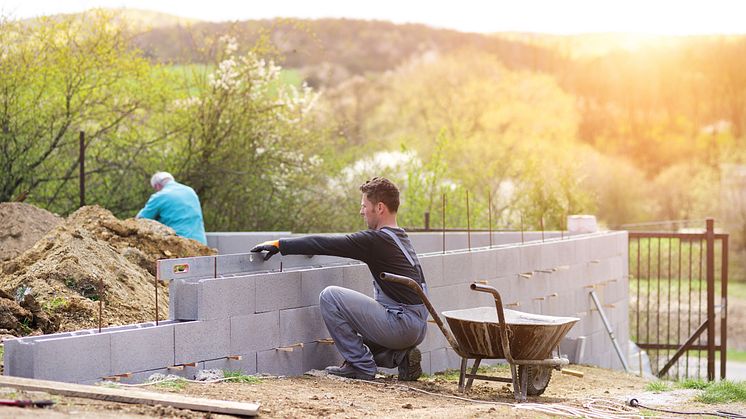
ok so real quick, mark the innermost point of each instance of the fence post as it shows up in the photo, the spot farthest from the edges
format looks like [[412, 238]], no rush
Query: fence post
[[710, 237], [81, 162]]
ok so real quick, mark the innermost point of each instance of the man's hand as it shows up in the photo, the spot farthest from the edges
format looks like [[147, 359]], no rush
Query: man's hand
[[272, 247]]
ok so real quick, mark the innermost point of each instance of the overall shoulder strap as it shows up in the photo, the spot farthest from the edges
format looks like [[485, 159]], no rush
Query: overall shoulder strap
[[399, 243]]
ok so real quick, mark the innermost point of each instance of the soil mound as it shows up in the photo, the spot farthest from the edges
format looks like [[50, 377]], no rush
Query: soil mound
[[22, 225], [95, 256]]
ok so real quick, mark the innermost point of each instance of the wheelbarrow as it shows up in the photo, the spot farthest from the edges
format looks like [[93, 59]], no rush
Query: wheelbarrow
[[524, 340]]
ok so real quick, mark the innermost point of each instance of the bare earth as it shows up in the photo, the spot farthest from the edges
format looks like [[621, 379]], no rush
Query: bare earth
[[330, 397]]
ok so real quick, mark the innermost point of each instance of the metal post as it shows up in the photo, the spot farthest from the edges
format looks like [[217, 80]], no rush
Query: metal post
[[710, 236], [81, 162], [610, 331], [157, 277], [468, 222], [724, 307], [427, 220]]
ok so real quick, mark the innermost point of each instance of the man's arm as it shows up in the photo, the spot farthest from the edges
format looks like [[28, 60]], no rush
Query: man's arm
[[151, 208], [354, 246]]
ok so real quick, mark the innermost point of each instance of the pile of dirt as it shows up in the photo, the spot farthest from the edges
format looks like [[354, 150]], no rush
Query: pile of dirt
[[22, 226], [90, 257]]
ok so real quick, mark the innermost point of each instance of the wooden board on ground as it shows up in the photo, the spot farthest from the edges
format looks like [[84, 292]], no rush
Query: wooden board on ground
[[126, 395]]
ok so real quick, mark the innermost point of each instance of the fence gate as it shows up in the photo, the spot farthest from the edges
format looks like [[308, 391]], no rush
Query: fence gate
[[675, 281]]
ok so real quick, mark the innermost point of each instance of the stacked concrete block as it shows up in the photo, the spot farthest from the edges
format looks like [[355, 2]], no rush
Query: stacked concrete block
[[142, 349], [238, 312], [200, 340], [313, 281], [280, 362], [226, 297], [278, 291]]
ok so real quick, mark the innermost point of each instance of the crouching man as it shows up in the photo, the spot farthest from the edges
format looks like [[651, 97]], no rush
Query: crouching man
[[368, 332]]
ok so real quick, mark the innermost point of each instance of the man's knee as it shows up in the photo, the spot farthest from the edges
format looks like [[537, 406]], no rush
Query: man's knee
[[329, 295]]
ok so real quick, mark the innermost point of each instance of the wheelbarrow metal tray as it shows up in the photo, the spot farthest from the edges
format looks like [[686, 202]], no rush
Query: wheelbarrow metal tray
[[531, 336]]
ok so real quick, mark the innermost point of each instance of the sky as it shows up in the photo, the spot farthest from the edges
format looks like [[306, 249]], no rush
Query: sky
[[667, 17]]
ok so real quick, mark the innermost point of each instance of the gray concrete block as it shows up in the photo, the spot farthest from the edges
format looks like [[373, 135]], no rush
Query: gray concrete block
[[319, 356], [508, 261], [73, 359], [432, 267], [199, 267], [142, 349], [183, 297], [255, 332], [278, 291], [245, 365], [458, 268], [531, 257], [358, 277], [313, 281], [484, 264], [280, 362], [18, 358], [301, 325], [450, 297], [201, 340], [226, 297]]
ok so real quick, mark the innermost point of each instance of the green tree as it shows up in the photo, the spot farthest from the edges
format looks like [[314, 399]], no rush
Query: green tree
[[61, 76]]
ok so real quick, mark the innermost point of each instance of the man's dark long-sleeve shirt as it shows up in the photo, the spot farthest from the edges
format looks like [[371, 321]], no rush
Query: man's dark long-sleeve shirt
[[373, 247]]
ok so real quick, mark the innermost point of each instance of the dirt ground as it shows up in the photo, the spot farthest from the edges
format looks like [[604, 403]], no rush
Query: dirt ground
[[309, 396], [91, 256]]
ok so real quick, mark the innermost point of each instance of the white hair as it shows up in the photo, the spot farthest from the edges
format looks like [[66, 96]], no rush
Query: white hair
[[161, 178]]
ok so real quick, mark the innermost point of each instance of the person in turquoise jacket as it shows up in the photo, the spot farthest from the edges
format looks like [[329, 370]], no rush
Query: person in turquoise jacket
[[176, 206]]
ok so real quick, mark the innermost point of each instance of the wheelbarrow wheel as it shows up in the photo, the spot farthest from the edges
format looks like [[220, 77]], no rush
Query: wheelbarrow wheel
[[538, 379]]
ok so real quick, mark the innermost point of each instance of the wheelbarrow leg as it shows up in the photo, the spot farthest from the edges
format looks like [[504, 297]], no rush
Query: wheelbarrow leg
[[462, 376], [523, 378], [474, 369]]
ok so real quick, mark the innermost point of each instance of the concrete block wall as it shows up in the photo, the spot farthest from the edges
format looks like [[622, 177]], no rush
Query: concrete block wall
[[270, 319]]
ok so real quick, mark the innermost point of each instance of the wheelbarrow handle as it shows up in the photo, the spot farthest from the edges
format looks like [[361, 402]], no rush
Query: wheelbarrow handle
[[414, 286], [500, 317]]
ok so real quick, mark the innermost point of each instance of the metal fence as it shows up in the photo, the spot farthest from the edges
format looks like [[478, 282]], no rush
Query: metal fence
[[676, 279]]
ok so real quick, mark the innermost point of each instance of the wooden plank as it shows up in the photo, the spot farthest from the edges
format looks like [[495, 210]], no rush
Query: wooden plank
[[128, 395]]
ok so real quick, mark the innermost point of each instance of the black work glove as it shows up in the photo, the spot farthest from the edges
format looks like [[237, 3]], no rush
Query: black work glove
[[272, 247]]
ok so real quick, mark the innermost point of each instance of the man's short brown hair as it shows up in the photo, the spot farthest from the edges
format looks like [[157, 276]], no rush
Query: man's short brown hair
[[380, 189]]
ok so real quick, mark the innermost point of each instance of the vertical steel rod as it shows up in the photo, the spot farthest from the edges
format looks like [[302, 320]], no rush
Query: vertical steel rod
[[710, 299], [541, 223], [157, 277], [468, 222], [521, 228], [100, 302], [443, 209], [489, 211]]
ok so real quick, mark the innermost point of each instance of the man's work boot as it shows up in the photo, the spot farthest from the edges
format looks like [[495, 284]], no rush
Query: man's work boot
[[410, 368], [348, 371]]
